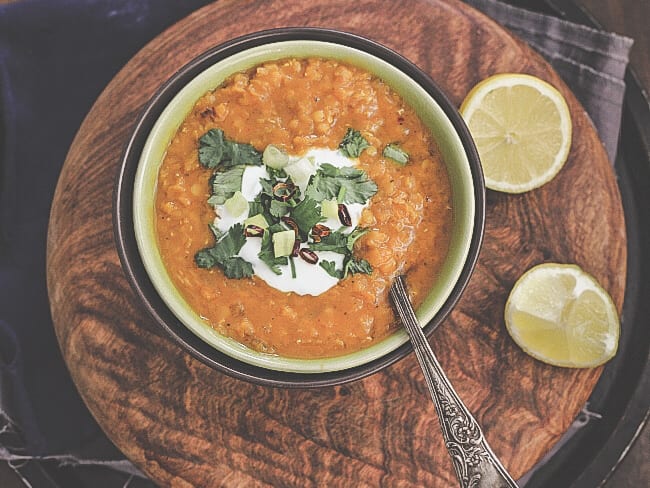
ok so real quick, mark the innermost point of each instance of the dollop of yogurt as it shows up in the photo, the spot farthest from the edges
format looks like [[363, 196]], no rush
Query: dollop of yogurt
[[310, 279]]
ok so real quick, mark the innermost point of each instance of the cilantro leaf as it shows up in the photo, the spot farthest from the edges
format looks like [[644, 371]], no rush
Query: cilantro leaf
[[267, 186], [336, 241], [330, 267], [356, 265], [244, 154], [343, 243], [237, 268], [224, 254], [349, 185], [278, 208], [306, 214], [224, 184], [211, 148], [231, 242], [256, 207], [353, 143], [215, 231], [396, 153], [276, 173], [215, 150], [205, 259], [353, 236]]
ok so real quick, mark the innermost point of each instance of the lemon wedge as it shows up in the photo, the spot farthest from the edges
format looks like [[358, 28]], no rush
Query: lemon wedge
[[521, 126], [559, 314]]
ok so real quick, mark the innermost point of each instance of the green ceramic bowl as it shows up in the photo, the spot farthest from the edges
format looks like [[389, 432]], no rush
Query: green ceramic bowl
[[136, 187]]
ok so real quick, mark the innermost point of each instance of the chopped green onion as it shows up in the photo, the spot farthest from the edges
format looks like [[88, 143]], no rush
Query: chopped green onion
[[396, 153], [274, 157]]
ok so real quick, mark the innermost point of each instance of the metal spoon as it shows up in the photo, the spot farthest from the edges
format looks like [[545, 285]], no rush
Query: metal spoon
[[475, 464]]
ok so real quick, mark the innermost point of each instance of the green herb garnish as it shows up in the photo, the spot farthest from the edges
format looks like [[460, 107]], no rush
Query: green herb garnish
[[355, 265], [353, 143], [225, 184], [237, 268], [330, 267], [396, 153], [355, 235], [338, 241], [281, 213], [346, 184], [351, 265], [224, 254], [306, 215], [267, 254], [343, 243], [292, 265], [217, 151]]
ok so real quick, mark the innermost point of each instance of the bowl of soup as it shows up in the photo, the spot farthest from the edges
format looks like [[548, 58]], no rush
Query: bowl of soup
[[273, 189]]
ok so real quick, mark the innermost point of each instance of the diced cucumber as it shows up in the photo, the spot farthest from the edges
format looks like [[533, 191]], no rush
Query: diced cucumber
[[283, 242], [274, 157], [300, 171], [257, 220], [329, 209], [236, 205]]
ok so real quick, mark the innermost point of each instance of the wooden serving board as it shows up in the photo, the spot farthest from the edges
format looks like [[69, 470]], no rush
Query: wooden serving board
[[187, 425]]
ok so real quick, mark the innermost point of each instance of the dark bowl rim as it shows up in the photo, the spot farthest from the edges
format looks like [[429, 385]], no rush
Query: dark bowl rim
[[124, 234]]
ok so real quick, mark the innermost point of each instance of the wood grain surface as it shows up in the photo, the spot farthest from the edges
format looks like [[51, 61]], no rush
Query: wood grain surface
[[187, 425]]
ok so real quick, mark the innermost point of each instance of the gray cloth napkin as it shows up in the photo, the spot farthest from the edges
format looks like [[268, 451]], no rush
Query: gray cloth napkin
[[591, 62]]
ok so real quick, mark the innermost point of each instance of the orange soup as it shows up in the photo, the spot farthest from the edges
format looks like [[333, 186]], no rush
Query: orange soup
[[296, 106]]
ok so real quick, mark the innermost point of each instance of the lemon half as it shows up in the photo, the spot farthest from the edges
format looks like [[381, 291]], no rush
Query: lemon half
[[559, 314], [521, 126]]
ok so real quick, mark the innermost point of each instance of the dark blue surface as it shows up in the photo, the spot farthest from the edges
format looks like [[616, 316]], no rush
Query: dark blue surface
[[55, 58]]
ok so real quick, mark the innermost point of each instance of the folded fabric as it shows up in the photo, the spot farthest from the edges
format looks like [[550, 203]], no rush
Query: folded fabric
[[55, 58]]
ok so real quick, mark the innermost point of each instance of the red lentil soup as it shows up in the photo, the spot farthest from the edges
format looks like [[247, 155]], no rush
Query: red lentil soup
[[297, 105]]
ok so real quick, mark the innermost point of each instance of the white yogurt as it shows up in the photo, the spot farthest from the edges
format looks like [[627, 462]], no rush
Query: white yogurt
[[311, 279]]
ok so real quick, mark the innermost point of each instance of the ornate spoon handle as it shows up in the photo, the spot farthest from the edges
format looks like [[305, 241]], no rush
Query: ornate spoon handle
[[475, 464]]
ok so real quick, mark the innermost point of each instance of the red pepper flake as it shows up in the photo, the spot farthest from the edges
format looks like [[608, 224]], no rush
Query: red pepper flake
[[295, 252], [308, 255], [291, 223], [284, 191], [319, 231], [344, 215]]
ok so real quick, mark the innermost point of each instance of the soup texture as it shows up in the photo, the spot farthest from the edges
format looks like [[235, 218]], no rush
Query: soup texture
[[301, 105]]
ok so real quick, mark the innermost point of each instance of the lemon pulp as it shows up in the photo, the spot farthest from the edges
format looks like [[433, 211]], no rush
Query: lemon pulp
[[521, 126], [559, 314]]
